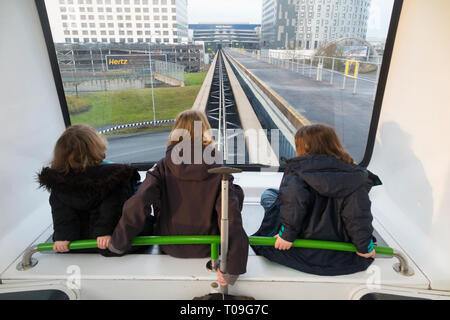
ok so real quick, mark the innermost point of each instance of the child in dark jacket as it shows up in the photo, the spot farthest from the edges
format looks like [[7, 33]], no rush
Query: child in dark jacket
[[188, 199], [323, 196], [86, 195]]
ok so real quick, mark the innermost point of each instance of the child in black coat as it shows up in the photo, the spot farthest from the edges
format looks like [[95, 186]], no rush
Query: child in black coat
[[323, 196], [86, 195]]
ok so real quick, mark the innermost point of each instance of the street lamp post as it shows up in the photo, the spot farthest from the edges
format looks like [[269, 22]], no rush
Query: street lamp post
[[151, 81]]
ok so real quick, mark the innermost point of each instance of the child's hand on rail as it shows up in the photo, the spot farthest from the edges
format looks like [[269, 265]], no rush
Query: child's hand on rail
[[371, 254], [61, 246], [282, 244], [103, 242]]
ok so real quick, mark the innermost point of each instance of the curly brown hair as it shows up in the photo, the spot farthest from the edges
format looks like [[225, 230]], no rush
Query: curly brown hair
[[321, 139], [78, 148]]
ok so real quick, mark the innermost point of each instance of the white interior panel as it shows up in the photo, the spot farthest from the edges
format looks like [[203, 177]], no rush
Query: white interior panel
[[412, 154], [30, 120]]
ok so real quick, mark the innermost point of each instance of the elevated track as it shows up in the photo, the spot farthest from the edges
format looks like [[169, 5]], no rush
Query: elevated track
[[239, 123]]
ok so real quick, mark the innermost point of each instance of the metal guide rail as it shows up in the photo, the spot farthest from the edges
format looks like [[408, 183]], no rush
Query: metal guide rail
[[214, 241], [223, 115]]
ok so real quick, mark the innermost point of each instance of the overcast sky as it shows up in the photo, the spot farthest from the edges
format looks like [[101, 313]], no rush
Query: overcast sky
[[250, 11]]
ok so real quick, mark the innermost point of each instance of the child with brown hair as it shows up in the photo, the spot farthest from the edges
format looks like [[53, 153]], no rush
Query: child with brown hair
[[86, 195], [323, 196]]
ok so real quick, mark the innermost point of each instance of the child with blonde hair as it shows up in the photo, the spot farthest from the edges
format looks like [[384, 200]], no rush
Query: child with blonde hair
[[187, 199]]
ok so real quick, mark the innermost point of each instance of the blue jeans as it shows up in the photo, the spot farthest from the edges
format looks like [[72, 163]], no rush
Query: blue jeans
[[268, 198], [271, 221]]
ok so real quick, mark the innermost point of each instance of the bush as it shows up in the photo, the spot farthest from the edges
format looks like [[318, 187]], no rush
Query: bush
[[77, 105]]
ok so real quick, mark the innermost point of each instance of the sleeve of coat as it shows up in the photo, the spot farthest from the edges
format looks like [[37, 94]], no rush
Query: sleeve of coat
[[294, 202], [66, 222], [238, 239], [357, 218], [135, 212], [110, 212]]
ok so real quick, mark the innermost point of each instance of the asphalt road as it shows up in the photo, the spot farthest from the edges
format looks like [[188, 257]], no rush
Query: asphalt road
[[321, 102], [146, 147]]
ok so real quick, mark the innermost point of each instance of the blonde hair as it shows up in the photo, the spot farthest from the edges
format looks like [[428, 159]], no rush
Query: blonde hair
[[78, 148], [321, 139], [186, 121]]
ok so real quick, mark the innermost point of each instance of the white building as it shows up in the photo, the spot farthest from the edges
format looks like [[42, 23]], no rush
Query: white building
[[321, 21], [118, 21]]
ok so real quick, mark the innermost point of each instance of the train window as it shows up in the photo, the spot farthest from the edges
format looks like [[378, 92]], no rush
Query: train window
[[131, 89]]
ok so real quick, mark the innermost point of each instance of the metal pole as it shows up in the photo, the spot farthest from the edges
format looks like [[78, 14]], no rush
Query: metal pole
[[101, 58], [92, 61], [225, 172], [304, 65], [345, 77], [356, 79], [224, 230], [332, 72], [151, 81]]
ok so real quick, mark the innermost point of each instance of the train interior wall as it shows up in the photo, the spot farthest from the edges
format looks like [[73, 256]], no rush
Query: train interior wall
[[412, 154], [30, 121]]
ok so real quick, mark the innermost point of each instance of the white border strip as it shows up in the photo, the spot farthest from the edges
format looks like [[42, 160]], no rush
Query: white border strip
[[135, 125]]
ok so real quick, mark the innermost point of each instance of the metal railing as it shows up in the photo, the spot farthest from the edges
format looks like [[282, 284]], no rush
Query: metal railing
[[402, 267], [315, 66], [169, 69]]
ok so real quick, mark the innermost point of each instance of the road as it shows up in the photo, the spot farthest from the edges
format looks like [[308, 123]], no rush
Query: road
[[146, 147], [321, 102]]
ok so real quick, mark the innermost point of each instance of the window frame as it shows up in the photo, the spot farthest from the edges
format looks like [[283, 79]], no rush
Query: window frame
[[376, 113]]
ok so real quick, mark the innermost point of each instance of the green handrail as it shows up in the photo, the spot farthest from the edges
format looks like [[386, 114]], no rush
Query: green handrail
[[214, 241]]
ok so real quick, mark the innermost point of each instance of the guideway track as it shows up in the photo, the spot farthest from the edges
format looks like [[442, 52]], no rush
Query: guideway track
[[237, 130]]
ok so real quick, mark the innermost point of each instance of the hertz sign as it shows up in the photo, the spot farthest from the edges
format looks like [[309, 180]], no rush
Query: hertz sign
[[118, 62], [114, 61]]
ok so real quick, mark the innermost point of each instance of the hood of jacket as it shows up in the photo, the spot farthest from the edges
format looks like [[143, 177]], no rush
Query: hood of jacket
[[189, 170], [85, 188], [331, 177]]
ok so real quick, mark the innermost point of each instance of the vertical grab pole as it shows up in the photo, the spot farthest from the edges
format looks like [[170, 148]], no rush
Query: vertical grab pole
[[225, 172], [224, 230]]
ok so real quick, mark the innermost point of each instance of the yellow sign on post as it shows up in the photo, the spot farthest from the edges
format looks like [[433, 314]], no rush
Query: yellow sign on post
[[347, 69]]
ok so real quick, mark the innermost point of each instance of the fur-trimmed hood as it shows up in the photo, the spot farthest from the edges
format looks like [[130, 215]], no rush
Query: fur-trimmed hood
[[85, 188]]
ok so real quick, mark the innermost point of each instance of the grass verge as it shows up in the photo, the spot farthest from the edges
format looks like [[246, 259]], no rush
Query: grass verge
[[194, 79], [129, 106]]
